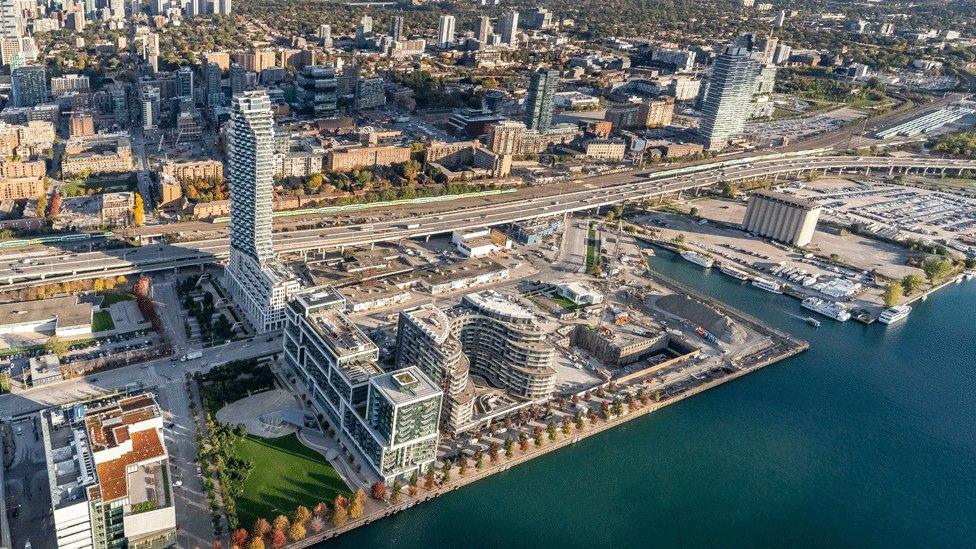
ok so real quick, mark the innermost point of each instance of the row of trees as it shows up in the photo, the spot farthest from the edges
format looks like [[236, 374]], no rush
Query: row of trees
[[303, 522], [44, 291]]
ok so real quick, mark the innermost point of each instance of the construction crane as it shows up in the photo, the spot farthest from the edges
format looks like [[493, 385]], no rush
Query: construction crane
[[609, 275]]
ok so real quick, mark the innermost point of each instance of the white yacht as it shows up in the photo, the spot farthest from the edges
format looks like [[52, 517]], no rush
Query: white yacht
[[832, 309], [894, 314], [698, 259], [768, 285], [733, 272]]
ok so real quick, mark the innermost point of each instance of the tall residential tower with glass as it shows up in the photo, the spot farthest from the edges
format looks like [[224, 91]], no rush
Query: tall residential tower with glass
[[259, 284]]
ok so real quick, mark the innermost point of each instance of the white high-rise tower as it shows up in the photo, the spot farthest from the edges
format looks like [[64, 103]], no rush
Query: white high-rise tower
[[260, 285], [445, 31]]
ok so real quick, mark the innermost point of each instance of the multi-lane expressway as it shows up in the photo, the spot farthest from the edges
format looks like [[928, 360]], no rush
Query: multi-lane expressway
[[589, 194]]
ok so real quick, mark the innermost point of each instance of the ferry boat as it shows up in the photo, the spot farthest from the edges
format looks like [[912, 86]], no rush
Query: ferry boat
[[698, 259], [832, 309], [812, 321], [768, 285], [894, 314], [733, 272], [970, 274]]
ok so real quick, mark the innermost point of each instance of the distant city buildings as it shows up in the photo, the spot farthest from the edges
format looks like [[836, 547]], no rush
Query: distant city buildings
[[316, 91], [540, 99], [508, 28], [29, 86], [728, 99], [445, 31]]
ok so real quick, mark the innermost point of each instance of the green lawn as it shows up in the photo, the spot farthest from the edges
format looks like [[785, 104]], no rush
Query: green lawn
[[102, 322], [115, 297], [285, 474]]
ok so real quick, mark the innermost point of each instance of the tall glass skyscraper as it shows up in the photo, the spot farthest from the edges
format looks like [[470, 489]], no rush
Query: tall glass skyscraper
[[540, 99], [728, 99]]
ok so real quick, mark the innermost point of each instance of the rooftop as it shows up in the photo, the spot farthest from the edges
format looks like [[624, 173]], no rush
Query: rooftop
[[786, 199], [432, 320], [406, 385], [67, 310], [491, 300]]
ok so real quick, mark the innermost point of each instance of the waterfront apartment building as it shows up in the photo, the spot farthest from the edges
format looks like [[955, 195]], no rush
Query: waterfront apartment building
[[540, 99], [504, 344], [390, 418], [109, 475], [425, 340], [727, 104], [781, 217], [259, 284]]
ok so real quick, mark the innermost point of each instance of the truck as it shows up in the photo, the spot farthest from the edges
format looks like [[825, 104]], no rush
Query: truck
[[192, 355], [411, 225]]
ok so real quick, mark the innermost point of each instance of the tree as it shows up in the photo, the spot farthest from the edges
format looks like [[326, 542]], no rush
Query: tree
[[257, 542], [892, 293], [694, 212], [463, 465], [936, 268], [316, 525], [414, 479], [297, 532], [493, 451], [479, 459], [278, 539], [41, 208], [446, 472], [302, 515], [261, 528], [138, 211], [239, 538], [358, 504], [281, 523], [379, 490], [429, 478], [313, 184], [411, 169], [911, 283], [395, 492], [340, 512], [537, 436], [56, 346], [523, 441], [551, 430], [509, 447], [321, 509]]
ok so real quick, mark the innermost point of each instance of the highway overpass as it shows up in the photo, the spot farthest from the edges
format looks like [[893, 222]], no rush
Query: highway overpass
[[590, 195]]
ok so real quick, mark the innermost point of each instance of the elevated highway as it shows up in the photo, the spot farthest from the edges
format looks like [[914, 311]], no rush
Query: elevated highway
[[590, 195]]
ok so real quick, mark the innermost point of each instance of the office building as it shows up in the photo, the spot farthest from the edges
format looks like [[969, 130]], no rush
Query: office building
[[728, 99], [109, 475], [316, 91], [259, 284], [508, 28], [396, 28], [391, 418], [370, 92], [504, 344], [184, 82], [781, 217], [540, 99], [212, 78], [445, 31], [29, 86], [222, 7], [538, 18]]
